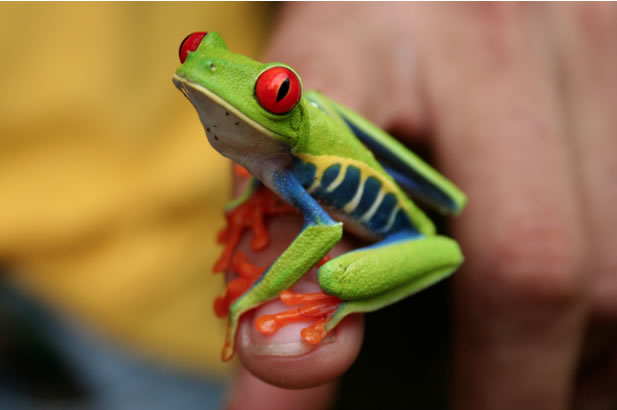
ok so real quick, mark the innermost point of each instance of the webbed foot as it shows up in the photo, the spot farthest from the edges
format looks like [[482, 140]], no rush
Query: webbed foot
[[314, 306], [249, 215]]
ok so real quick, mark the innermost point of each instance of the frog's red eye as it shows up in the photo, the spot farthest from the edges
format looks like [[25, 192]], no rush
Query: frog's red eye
[[278, 90], [190, 43]]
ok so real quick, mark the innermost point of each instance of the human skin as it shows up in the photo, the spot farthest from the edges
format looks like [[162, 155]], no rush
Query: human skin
[[518, 105]]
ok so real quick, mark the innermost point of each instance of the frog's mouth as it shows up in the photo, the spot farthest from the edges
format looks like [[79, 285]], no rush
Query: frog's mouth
[[229, 131]]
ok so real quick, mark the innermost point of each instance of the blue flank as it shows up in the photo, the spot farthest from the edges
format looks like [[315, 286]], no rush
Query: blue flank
[[406, 176], [330, 174], [401, 223], [305, 172], [372, 186], [343, 193], [382, 215]]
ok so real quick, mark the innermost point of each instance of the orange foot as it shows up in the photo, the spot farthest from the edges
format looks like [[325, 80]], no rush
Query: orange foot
[[318, 306], [249, 215]]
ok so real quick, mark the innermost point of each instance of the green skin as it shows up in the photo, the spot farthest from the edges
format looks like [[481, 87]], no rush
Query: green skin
[[221, 85]]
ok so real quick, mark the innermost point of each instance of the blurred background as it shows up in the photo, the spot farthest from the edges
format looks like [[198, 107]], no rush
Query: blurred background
[[110, 198]]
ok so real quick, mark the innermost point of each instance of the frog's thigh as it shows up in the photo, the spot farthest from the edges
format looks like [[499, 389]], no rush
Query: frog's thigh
[[390, 270]]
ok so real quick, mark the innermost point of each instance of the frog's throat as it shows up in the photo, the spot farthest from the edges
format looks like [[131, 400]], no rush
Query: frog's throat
[[231, 132]]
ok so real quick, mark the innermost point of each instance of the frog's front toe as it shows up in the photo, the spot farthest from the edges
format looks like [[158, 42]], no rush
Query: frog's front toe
[[316, 306]]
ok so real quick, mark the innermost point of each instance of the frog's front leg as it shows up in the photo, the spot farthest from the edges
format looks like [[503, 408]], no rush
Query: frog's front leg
[[368, 279], [248, 212], [319, 234]]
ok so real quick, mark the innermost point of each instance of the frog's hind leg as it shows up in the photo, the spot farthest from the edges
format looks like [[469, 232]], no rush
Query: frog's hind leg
[[370, 278], [384, 273]]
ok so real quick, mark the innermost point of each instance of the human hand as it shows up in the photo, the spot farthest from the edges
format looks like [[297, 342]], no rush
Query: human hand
[[517, 103]]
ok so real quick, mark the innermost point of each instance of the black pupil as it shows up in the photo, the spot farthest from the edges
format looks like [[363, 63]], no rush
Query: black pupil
[[283, 90]]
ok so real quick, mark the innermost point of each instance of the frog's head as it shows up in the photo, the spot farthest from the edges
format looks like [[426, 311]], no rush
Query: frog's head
[[248, 109]]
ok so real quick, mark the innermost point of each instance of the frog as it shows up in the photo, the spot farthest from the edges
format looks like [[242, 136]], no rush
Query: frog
[[339, 171]]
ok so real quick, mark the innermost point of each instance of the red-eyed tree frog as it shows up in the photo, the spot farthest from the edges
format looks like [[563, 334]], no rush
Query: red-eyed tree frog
[[338, 170]]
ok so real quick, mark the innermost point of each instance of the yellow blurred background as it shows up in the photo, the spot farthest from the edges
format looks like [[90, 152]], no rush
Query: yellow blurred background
[[110, 195]]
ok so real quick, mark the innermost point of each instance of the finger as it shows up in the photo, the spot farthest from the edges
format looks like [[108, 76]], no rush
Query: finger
[[250, 393], [589, 53], [519, 301], [284, 359]]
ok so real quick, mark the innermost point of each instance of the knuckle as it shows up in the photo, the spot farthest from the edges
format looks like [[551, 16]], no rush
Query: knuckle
[[500, 19], [597, 21], [496, 12], [540, 263], [498, 28]]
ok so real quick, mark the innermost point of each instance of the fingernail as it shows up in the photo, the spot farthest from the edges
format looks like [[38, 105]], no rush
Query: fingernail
[[287, 340]]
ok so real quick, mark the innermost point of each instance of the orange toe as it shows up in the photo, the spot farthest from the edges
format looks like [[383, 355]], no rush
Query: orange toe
[[316, 306], [314, 333], [251, 215]]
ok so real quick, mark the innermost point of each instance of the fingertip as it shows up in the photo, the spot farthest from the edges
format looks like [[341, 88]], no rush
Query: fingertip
[[292, 363], [249, 392]]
